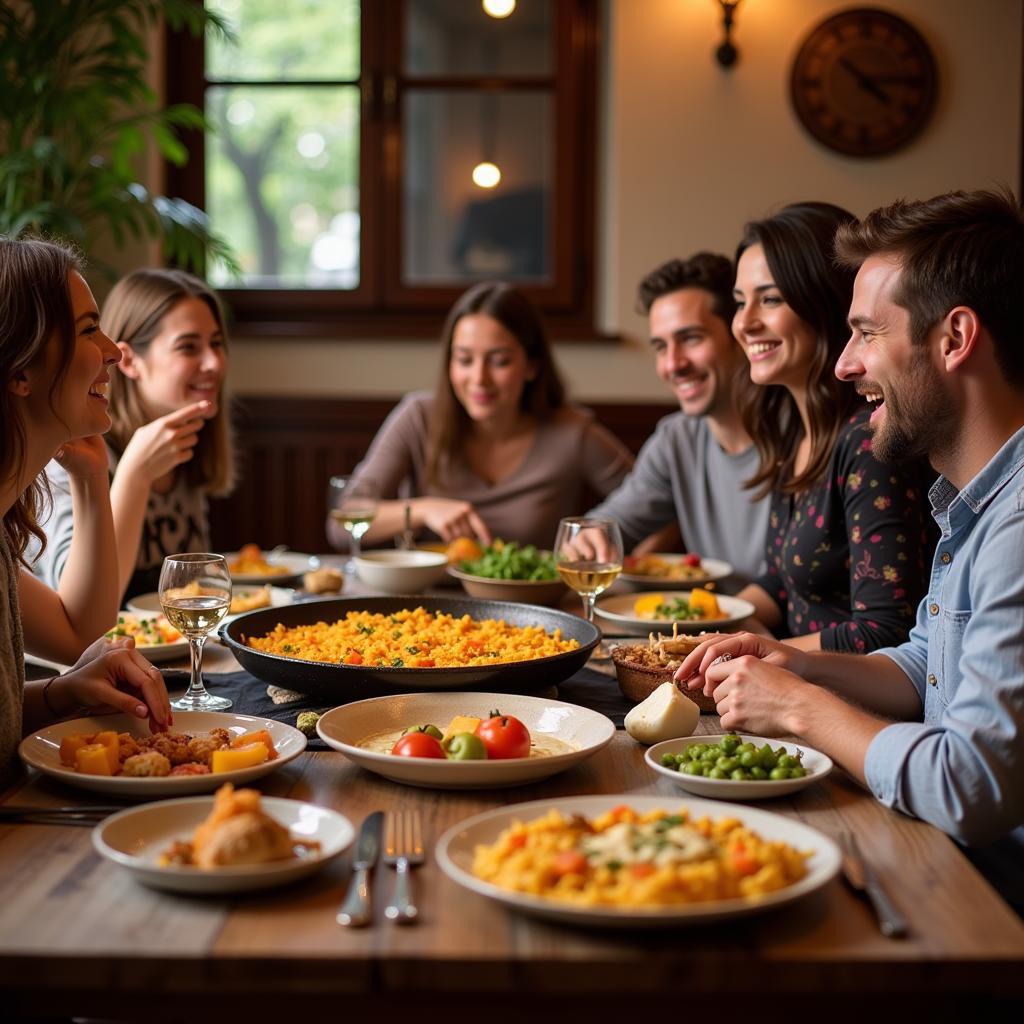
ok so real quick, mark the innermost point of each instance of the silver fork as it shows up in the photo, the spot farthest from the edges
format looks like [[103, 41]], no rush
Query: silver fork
[[403, 849]]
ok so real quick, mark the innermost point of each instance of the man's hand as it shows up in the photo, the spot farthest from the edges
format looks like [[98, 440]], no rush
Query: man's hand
[[161, 446], [694, 673]]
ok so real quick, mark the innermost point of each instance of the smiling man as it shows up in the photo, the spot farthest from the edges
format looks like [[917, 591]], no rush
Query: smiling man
[[693, 470], [932, 727]]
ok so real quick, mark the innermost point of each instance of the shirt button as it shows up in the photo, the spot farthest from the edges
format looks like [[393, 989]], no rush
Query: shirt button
[[932, 681], [933, 609], [946, 557]]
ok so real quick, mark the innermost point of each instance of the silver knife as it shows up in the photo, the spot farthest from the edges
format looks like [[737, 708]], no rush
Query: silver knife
[[861, 876], [356, 910]]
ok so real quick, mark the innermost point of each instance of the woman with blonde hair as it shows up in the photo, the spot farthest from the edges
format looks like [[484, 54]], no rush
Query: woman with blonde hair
[[495, 449], [170, 444], [54, 368]]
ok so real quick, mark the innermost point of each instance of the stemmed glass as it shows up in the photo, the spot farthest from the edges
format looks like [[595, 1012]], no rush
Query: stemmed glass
[[352, 503], [195, 592], [588, 555]]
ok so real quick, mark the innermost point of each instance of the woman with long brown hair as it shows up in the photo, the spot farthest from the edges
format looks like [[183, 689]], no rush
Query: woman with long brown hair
[[170, 444], [847, 543], [495, 450], [55, 365]]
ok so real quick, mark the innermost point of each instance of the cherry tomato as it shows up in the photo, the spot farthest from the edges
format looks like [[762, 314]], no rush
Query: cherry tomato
[[692, 560], [418, 744], [504, 737]]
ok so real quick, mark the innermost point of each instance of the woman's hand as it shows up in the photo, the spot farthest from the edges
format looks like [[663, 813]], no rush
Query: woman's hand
[[112, 676], [450, 518], [756, 697], [705, 666], [161, 446], [84, 457]]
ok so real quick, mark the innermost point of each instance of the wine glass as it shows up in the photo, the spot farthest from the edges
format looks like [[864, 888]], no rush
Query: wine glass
[[588, 555], [352, 503], [195, 592]]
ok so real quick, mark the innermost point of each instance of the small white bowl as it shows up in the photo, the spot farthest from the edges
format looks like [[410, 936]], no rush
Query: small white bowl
[[816, 764], [401, 572]]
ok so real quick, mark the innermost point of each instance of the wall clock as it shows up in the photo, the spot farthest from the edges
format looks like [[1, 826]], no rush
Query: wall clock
[[864, 82]]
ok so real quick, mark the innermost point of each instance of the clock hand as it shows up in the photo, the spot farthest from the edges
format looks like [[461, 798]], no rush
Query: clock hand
[[866, 82]]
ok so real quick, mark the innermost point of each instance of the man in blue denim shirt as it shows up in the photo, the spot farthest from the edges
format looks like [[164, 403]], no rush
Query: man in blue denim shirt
[[938, 344]]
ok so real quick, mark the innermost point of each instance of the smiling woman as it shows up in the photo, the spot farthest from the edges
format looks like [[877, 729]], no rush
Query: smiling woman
[[54, 367], [170, 443], [496, 450]]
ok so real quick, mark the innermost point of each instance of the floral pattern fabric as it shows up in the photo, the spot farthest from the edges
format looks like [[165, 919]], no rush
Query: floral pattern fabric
[[848, 557]]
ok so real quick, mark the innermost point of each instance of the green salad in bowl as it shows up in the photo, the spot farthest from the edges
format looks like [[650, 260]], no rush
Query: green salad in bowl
[[507, 560]]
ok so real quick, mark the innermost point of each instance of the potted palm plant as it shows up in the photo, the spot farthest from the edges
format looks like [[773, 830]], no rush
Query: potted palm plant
[[76, 114]]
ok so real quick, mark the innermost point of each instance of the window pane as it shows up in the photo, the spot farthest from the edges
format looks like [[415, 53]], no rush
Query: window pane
[[455, 230], [457, 37], [311, 40], [282, 183]]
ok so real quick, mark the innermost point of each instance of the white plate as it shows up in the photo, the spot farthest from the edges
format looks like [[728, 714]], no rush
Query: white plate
[[41, 750], [584, 730], [619, 610], [136, 837], [817, 765], [149, 603], [294, 562], [714, 569], [455, 850], [158, 652]]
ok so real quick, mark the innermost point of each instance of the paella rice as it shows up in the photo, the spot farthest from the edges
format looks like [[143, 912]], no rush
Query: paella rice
[[413, 639], [625, 858]]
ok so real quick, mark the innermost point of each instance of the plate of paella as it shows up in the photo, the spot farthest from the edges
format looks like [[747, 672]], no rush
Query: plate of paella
[[350, 648]]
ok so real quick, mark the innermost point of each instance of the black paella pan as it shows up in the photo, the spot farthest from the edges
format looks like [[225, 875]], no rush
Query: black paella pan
[[338, 684]]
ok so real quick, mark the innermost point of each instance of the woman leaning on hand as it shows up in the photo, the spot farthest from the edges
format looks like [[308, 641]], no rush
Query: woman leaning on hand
[[170, 445], [847, 544], [495, 450], [55, 364]]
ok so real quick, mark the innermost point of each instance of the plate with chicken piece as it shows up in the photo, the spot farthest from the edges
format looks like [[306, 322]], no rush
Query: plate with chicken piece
[[117, 755], [146, 840]]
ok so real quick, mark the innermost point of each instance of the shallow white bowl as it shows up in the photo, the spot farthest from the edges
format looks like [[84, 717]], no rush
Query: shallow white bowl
[[584, 730], [294, 563], [817, 765], [618, 610], [713, 569], [401, 572], [456, 848], [279, 597], [41, 751], [136, 837], [547, 592], [157, 652]]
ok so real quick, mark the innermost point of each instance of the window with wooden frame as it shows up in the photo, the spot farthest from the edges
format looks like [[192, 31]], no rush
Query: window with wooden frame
[[371, 160]]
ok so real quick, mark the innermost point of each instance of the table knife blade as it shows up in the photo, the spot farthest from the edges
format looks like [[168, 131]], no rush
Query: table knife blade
[[357, 910]]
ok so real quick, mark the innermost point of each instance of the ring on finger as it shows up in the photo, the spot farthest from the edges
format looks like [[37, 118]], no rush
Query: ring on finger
[[720, 659]]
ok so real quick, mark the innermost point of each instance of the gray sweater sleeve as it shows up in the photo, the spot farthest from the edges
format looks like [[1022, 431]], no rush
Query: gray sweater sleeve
[[49, 566], [643, 502]]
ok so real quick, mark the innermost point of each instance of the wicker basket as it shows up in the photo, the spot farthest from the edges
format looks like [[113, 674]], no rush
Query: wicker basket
[[637, 681]]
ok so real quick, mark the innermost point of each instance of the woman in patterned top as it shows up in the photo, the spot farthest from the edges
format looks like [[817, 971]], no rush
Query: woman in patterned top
[[170, 444], [847, 544]]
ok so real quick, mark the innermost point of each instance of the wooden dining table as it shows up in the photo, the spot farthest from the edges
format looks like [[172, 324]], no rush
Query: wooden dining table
[[79, 937]]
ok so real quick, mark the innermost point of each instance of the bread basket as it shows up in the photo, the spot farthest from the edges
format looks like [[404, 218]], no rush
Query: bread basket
[[639, 678]]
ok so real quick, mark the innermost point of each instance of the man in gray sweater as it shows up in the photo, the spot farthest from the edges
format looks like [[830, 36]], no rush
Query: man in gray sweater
[[692, 470]]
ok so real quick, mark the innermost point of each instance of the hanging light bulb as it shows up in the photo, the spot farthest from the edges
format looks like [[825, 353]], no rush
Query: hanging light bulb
[[486, 174], [498, 8]]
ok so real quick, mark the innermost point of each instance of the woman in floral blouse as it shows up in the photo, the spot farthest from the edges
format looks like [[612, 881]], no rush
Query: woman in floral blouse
[[847, 544]]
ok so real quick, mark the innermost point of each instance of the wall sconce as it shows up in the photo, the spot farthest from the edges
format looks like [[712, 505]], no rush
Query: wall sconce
[[727, 54]]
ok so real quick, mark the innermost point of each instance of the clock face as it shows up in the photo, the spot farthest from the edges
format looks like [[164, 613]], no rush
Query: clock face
[[864, 82]]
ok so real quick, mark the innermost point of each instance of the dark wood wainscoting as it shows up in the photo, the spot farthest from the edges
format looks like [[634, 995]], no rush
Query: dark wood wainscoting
[[288, 447]]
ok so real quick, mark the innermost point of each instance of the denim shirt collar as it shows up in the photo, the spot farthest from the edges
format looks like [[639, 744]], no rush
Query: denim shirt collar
[[951, 508]]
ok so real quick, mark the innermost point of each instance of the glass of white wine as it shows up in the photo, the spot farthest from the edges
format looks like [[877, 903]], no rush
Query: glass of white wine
[[588, 555], [352, 504], [195, 592]]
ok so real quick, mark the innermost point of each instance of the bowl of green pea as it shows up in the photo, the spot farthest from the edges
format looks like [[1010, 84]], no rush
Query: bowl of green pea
[[735, 766], [507, 571]]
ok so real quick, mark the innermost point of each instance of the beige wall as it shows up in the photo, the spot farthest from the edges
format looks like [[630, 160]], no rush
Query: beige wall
[[689, 152]]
